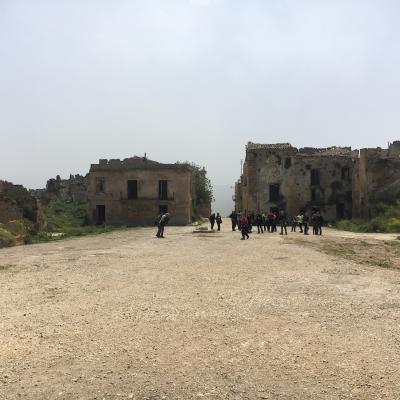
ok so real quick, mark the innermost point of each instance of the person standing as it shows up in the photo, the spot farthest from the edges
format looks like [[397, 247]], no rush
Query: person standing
[[306, 221], [264, 219], [212, 220], [259, 222], [161, 225], [320, 221], [218, 220], [251, 220], [283, 221], [239, 220], [233, 217], [274, 221], [270, 221], [314, 223], [293, 223], [299, 220]]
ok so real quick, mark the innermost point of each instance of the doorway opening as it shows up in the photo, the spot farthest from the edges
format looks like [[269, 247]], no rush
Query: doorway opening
[[100, 214]]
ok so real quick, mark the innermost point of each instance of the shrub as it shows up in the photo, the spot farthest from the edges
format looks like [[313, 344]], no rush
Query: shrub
[[387, 220], [6, 238]]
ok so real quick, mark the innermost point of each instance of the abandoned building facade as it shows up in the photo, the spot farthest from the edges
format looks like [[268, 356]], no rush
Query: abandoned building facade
[[376, 179], [335, 180], [134, 191]]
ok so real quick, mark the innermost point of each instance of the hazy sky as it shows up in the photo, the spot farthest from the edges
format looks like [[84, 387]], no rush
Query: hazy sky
[[191, 80]]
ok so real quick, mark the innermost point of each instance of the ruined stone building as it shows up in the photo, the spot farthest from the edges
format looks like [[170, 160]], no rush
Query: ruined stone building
[[376, 179], [336, 180], [134, 191], [73, 189]]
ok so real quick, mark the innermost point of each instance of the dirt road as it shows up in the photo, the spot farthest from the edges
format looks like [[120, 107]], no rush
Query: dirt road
[[128, 316]]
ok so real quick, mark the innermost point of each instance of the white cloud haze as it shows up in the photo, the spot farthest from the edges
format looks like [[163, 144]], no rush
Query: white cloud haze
[[191, 80]]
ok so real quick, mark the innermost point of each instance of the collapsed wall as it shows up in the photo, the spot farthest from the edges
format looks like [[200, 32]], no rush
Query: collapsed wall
[[376, 179], [17, 203], [74, 189]]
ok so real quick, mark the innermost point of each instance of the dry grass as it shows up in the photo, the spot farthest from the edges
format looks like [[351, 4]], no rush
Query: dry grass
[[379, 253]]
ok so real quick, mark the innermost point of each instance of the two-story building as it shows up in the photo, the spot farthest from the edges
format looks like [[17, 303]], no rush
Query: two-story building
[[134, 191]]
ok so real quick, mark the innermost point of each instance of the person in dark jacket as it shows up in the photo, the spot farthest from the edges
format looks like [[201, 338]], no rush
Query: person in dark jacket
[[218, 220], [233, 216], [306, 220], [320, 222], [259, 222], [314, 223], [283, 221], [251, 221], [270, 221], [293, 223], [212, 220]]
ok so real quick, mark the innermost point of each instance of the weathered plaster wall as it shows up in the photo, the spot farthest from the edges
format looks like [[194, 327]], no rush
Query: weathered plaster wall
[[292, 169], [141, 211]]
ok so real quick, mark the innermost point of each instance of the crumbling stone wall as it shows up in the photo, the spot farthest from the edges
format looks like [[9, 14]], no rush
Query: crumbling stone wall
[[16, 202], [74, 189], [282, 176], [376, 178], [9, 210]]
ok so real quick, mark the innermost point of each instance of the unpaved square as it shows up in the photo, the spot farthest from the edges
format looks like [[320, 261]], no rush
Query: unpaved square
[[128, 316]]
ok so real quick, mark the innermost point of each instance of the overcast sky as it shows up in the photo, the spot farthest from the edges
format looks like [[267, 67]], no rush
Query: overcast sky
[[191, 80]]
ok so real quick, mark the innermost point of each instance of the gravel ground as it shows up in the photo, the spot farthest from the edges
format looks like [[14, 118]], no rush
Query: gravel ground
[[128, 316]]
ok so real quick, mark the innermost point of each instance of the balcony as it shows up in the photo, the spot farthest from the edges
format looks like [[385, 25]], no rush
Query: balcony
[[150, 198]]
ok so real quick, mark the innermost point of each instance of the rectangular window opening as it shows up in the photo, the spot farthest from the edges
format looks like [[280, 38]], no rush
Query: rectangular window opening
[[314, 177], [132, 189], [274, 192], [100, 185], [345, 173], [163, 190]]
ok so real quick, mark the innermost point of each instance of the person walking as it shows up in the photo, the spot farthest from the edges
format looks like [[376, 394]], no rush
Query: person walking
[[218, 220], [244, 223], [283, 221], [163, 220], [212, 220]]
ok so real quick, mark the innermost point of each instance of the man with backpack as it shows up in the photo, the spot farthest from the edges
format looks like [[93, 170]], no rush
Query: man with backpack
[[162, 221]]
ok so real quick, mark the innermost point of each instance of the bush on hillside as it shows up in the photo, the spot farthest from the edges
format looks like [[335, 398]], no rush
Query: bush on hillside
[[387, 220]]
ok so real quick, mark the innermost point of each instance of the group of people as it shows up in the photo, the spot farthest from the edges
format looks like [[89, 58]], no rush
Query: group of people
[[215, 219], [269, 222], [265, 222]]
